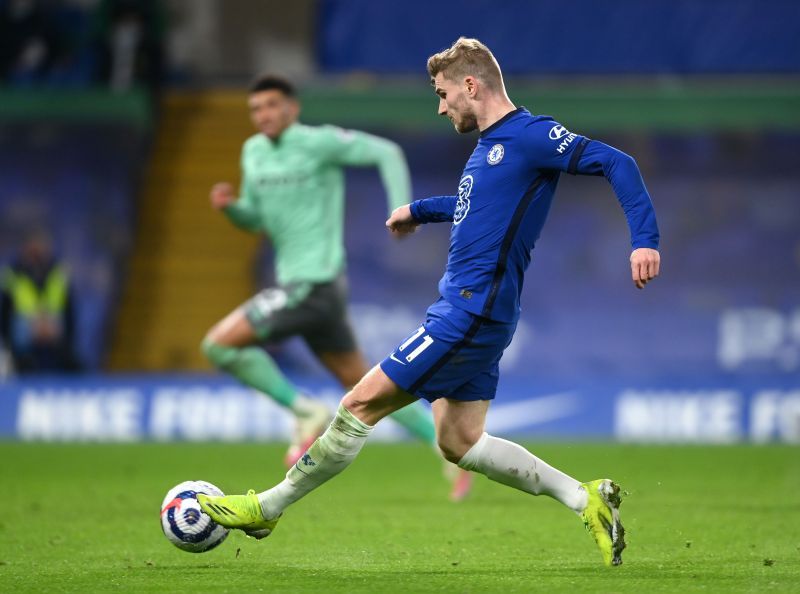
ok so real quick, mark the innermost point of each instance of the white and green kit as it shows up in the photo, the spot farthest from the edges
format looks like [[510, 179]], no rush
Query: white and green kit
[[293, 192]]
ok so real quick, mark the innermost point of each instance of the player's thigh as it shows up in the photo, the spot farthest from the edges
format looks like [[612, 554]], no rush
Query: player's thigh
[[329, 333], [347, 366], [278, 313], [442, 357], [332, 340], [234, 330], [375, 397], [459, 424]]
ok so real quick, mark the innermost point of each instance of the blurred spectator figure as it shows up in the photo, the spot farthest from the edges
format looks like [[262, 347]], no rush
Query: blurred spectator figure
[[131, 34], [29, 41], [45, 43], [37, 317], [57, 43]]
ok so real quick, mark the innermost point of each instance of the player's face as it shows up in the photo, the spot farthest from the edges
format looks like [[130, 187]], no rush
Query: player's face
[[272, 112], [454, 103]]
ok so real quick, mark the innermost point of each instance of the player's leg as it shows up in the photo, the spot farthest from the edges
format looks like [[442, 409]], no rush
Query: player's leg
[[381, 392], [460, 429], [462, 438], [374, 397], [231, 346], [334, 343], [349, 366]]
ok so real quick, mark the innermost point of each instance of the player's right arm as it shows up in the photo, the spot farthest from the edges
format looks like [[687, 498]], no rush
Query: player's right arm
[[401, 221], [241, 212], [437, 209]]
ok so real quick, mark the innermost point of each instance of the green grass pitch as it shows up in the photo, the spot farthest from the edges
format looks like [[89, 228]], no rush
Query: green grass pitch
[[85, 518]]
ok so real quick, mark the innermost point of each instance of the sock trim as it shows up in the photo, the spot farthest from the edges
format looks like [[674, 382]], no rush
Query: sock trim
[[470, 459], [357, 427]]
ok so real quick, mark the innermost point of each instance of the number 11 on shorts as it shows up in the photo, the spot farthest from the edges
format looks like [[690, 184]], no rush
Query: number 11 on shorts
[[424, 344]]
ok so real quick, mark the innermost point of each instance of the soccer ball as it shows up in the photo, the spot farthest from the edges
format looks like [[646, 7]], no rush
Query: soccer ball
[[185, 524]]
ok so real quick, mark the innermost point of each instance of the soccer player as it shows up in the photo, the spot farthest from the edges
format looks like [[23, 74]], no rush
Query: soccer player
[[292, 191], [497, 215]]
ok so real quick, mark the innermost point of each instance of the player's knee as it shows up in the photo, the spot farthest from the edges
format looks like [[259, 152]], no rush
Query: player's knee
[[356, 404], [207, 347], [219, 355], [365, 406], [454, 444], [452, 452]]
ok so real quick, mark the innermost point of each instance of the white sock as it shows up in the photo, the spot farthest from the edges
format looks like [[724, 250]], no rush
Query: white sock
[[513, 465], [328, 456]]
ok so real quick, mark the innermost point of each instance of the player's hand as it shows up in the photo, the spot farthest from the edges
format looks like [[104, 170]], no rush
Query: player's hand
[[645, 264], [222, 195], [401, 222]]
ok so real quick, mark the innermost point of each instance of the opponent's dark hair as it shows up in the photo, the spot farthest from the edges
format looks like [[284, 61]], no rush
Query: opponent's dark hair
[[269, 82]]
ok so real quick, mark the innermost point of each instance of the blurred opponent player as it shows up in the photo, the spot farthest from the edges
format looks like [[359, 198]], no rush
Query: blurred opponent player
[[293, 191], [452, 360]]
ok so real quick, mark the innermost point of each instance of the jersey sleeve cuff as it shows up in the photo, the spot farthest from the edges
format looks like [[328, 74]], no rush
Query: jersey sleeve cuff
[[415, 214], [644, 243]]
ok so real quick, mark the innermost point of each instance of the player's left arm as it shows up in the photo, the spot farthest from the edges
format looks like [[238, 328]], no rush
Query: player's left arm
[[579, 155], [359, 149], [623, 174]]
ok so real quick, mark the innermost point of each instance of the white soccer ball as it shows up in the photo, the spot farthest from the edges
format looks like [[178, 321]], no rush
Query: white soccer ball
[[186, 525]]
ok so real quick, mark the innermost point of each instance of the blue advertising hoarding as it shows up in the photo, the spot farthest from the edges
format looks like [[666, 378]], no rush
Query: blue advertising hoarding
[[107, 408]]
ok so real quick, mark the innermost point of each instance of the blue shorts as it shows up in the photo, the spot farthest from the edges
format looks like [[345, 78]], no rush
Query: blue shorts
[[454, 354]]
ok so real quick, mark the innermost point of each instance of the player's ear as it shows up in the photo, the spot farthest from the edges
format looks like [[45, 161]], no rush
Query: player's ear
[[470, 86], [294, 108]]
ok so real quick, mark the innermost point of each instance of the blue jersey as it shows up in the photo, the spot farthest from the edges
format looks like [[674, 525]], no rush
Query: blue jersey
[[503, 200]]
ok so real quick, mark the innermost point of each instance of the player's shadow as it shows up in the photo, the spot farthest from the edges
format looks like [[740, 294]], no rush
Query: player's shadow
[[183, 569]]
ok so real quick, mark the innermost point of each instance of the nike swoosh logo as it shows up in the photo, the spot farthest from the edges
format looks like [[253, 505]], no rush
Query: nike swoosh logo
[[393, 358], [531, 411]]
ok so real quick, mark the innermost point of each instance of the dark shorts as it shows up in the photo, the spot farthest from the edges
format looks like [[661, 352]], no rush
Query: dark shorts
[[315, 311], [454, 354]]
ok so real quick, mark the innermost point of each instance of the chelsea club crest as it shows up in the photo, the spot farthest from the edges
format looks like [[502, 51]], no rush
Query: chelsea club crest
[[495, 154]]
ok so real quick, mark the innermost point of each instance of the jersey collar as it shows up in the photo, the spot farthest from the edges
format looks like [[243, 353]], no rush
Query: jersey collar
[[288, 133], [503, 120]]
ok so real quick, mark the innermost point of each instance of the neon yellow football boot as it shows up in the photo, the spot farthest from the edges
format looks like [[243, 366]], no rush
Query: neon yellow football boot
[[601, 518], [238, 511]]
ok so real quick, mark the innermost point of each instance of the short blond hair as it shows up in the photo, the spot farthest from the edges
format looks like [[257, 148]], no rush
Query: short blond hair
[[467, 57]]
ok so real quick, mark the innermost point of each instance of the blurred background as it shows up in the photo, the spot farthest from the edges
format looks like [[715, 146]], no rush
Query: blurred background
[[116, 117]]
